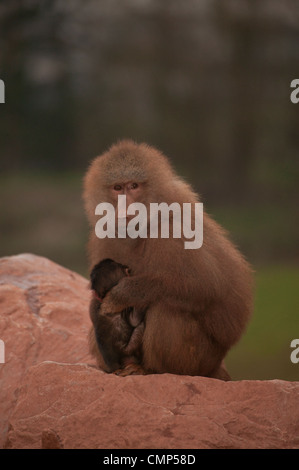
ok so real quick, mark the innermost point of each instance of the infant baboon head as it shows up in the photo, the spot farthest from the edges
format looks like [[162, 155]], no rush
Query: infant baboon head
[[105, 275]]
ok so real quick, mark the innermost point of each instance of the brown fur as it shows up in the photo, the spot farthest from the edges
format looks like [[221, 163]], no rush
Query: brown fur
[[198, 301], [118, 334]]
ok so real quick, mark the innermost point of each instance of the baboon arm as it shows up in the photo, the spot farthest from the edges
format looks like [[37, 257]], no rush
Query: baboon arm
[[141, 291]]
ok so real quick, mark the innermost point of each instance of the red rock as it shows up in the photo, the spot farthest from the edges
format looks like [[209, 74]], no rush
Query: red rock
[[86, 408], [44, 316], [50, 397]]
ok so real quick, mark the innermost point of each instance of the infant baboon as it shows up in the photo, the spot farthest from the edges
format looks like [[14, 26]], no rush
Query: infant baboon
[[118, 334]]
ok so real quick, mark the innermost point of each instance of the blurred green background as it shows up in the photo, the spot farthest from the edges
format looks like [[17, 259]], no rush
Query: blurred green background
[[206, 82]]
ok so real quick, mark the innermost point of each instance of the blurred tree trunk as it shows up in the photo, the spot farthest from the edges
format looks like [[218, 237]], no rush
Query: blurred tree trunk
[[244, 111]]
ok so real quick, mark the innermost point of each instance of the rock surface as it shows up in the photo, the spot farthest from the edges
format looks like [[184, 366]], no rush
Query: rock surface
[[80, 407], [52, 397], [43, 316]]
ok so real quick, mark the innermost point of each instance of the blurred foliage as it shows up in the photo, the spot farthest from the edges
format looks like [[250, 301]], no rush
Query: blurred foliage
[[207, 82]]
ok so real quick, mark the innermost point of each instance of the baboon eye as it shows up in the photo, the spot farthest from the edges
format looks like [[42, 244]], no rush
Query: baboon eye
[[134, 185], [117, 187]]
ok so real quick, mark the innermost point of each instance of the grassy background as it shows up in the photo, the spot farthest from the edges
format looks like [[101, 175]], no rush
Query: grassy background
[[43, 214], [264, 351]]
